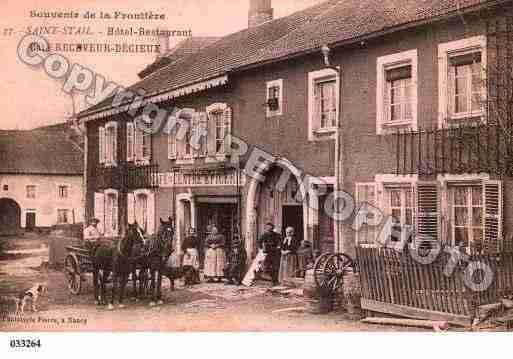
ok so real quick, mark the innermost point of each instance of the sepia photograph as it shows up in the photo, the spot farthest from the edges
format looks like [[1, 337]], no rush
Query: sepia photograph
[[256, 166]]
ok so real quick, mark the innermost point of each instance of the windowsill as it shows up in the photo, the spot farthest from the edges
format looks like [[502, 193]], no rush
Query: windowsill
[[466, 116], [185, 161], [323, 131], [110, 164], [397, 124], [270, 114], [216, 158]]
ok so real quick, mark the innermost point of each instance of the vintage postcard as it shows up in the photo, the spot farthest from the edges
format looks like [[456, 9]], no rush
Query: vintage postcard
[[256, 165]]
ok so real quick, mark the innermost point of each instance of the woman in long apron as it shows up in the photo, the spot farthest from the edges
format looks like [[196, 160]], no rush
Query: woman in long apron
[[215, 257], [288, 259]]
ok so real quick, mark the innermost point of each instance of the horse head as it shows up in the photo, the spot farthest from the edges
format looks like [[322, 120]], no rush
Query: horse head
[[134, 238]]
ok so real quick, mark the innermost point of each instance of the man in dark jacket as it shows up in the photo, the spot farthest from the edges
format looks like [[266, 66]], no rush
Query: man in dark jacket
[[270, 242]]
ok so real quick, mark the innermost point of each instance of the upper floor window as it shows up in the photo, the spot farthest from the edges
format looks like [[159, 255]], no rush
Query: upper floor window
[[6, 187], [323, 95], [461, 71], [138, 141], [108, 143], [219, 130], [63, 191], [396, 95], [31, 191], [274, 101]]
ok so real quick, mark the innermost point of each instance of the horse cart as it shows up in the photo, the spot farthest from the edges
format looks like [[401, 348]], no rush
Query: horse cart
[[77, 264], [330, 269]]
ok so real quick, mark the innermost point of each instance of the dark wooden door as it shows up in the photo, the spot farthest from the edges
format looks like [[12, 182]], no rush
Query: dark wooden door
[[292, 216], [30, 221]]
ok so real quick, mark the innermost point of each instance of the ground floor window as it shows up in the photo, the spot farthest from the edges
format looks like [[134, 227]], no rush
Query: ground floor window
[[141, 211], [62, 216], [111, 214], [400, 205], [466, 215]]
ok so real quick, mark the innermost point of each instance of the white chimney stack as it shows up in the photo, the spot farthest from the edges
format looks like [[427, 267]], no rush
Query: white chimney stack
[[260, 11]]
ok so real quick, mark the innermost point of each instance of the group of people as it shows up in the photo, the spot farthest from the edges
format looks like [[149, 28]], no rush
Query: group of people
[[282, 258]]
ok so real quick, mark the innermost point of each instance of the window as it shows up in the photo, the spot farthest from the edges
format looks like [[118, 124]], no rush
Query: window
[[111, 213], [31, 191], [142, 141], [323, 93], [6, 187], [62, 216], [396, 95], [366, 193], [274, 98], [467, 216], [141, 211], [63, 191], [462, 89], [218, 131], [107, 140], [400, 205]]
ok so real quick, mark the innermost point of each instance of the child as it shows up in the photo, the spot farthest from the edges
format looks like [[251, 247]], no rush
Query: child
[[305, 257], [236, 262]]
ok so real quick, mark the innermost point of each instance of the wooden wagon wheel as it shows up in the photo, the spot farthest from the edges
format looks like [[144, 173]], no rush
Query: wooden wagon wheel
[[335, 268], [73, 274], [319, 268]]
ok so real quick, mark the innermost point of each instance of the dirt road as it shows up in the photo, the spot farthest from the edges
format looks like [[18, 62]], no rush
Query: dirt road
[[206, 307]]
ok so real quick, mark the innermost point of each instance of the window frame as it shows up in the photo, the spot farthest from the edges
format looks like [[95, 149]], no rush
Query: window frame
[[31, 194], [110, 149], [446, 51], [63, 194], [109, 229], [384, 64], [314, 132], [272, 84], [62, 210]]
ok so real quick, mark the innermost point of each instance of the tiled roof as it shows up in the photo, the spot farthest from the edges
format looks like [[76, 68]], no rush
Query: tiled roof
[[184, 48], [45, 150], [330, 22]]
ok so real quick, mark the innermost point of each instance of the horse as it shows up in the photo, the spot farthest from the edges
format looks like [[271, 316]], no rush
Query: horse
[[158, 249], [118, 260]]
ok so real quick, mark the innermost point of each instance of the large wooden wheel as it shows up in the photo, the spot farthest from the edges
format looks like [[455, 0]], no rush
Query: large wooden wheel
[[330, 270], [319, 268], [73, 274]]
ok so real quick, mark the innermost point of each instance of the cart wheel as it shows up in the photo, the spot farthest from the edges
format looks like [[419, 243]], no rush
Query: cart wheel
[[72, 271], [335, 268], [319, 268]]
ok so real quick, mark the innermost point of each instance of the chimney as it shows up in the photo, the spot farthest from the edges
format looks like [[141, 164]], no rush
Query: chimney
[[163, 41], [260, 11]]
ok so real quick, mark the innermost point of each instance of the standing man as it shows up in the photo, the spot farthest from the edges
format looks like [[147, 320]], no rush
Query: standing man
[[91, 232], [270, 242]]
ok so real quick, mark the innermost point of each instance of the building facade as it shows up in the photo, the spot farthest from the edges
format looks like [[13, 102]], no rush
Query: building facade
[[41, 177], [323, 120]]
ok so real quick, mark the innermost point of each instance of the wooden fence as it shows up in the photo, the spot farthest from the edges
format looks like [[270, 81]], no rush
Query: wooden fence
[[394, 282]]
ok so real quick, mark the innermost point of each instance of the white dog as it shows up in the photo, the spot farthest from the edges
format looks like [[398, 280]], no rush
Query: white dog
[[30, 295]]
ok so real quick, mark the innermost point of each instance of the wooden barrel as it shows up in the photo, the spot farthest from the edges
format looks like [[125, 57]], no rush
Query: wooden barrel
[[315, 303]]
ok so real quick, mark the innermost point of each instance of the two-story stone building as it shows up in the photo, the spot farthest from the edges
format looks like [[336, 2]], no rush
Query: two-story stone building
[[392, 66], [41, 173]]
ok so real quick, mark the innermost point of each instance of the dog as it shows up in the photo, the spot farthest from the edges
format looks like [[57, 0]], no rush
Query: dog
[[31, 295], [188, 273]]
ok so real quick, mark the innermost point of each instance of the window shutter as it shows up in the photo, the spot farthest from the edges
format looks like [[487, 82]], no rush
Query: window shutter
[[171, 144], [211, 134], [366, 192], [130, 203], [101, 144], [428, 212], [316, 120], [204, 134], [227, 117], [151, 213], [130, 141], [195, 140], [492, 192], [115, 143], [99, 209], [451, 91], [138, 144], [115, 216]]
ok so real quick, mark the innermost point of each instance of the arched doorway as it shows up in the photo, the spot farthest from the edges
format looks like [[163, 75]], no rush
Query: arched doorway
[[10, 216]]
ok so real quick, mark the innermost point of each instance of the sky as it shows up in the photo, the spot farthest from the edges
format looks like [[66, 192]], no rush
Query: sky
[[30, 98]]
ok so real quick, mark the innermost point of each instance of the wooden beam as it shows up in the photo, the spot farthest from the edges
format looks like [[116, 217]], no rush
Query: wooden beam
[[416, 313]]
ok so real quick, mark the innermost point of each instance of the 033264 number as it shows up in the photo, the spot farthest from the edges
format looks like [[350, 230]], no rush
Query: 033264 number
[[25, 343]]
